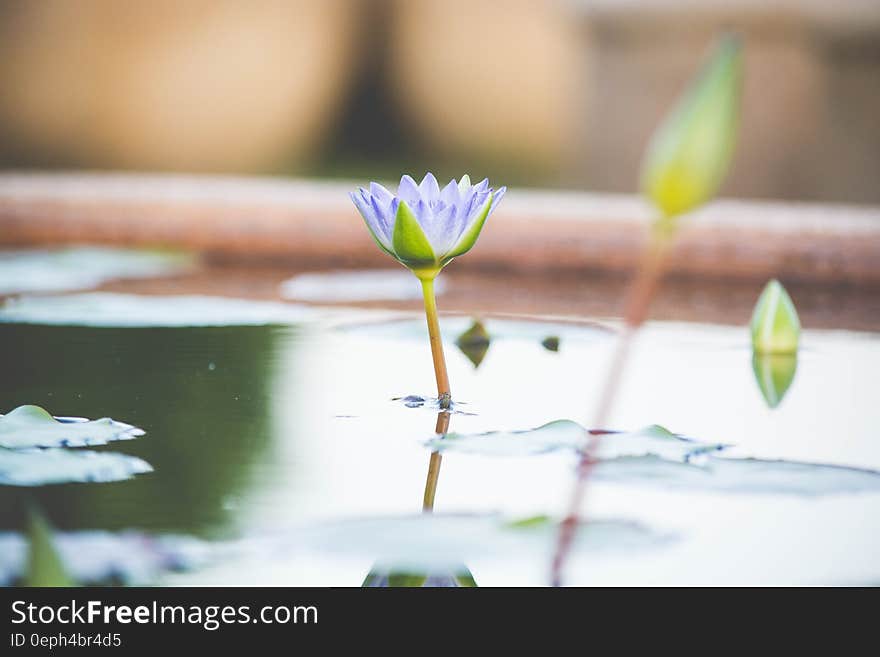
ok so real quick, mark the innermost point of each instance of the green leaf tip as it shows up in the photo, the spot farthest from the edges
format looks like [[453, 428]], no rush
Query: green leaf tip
[[44, 566], [776, 328], [690, 153]]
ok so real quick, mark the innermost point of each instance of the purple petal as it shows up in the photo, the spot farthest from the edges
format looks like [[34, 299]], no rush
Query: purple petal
[[424, 216], [408, 191], [380, 193], [499, 194], [370, 217], [383, 216], [483, 185], [429, 188], [469, 202], [450, 195], [445, 230]]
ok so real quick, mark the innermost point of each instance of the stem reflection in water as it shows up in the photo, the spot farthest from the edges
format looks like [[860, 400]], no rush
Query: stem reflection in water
[[386, 575]]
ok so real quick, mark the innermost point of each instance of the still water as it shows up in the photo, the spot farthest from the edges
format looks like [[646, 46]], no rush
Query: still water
[[285, 441]]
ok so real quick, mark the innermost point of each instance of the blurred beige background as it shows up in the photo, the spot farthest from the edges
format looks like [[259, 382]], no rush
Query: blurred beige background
[[535, 92]]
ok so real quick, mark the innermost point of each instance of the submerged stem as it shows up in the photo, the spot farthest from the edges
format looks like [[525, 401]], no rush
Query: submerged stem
[[641, 292], [434, 465], [443, 392]]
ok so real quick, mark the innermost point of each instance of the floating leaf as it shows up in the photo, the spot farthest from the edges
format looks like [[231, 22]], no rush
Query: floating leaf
[[355, 285], [433, 542], [36, 467], [81, 268], [32, 426], [656, 456], [102, 558], [108, 309], [569, 435], [474, 342], [776, 328], [690, 152], [774, 374], [44, 565], [739, 475]]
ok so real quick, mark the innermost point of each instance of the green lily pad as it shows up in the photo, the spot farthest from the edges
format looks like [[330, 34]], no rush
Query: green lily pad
[[569, 435], [429, 543], [655, 456], [32, 426], [739, 475], [101, 558], [37, 467], [109, 309], [79, 268]]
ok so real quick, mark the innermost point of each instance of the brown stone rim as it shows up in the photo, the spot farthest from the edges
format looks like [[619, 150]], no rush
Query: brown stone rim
[[532, 231]]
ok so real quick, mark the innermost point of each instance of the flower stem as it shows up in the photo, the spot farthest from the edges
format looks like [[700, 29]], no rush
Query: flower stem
[[434, 465], [443, 394], [641, 292]]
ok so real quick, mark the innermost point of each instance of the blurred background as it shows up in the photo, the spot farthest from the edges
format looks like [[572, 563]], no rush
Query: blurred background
[[531, 92]]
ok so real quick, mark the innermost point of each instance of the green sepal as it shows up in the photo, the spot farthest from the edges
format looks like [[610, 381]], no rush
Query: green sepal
[[411, 245], [690, 152], [469, 237]]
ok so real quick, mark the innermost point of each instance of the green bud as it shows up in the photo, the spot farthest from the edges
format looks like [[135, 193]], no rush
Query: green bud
[[774, 374], [776, 328], [690, 152]]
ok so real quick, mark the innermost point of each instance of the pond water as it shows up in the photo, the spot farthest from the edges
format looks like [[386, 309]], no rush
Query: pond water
[[285, 443]]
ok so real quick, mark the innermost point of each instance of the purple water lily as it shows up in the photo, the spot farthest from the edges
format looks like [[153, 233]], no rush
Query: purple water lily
[[425, 227]]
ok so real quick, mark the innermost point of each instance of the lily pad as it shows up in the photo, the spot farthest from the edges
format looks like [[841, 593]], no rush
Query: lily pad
[[432, 542], [739, 475], [107, 309], [32, 426], [81, 268], [569, 435], [355, 285], [655, 456], [101, 557], [36, 467]]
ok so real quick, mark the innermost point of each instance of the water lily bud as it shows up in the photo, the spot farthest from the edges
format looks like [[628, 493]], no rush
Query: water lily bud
[[774, 374], [424, 227], [776, 328], [690, 152]]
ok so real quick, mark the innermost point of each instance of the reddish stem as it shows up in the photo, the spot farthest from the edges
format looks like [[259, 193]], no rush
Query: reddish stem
[[641, 292]]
